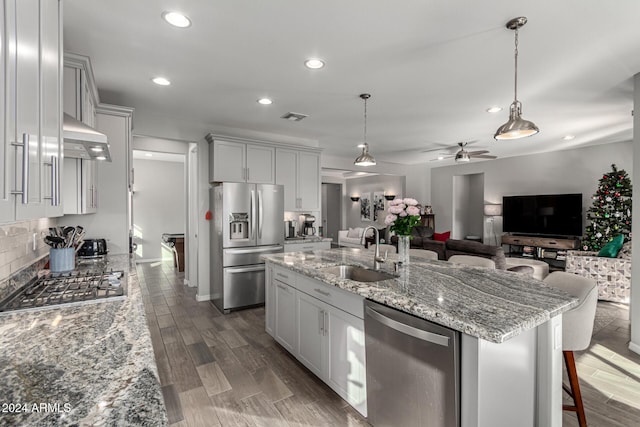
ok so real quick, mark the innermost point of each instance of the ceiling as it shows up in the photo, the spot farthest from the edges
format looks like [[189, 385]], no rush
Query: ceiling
[[432, 68]]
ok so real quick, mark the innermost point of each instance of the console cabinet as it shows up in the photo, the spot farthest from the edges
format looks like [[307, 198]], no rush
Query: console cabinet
[[323, 327], [31, 109], [550, 250]]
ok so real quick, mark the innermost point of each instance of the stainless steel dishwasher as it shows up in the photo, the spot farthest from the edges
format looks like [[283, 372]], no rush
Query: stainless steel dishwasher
[[413, 370]]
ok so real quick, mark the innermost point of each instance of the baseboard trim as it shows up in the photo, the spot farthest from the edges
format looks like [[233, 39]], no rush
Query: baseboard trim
[[201, 298], [634, 347], [146, 260]]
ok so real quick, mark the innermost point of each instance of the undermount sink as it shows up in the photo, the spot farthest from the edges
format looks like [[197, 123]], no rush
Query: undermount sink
[[358, 274]]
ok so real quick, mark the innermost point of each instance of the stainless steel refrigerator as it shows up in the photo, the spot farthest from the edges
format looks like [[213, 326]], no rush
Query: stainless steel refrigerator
[[247, 222]]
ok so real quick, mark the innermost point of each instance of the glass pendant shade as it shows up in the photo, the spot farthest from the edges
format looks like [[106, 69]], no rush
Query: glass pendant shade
[[516, 127], [365, 159]]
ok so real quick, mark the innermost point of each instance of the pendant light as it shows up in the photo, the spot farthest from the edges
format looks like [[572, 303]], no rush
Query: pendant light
[[365, 159], [516, 127]]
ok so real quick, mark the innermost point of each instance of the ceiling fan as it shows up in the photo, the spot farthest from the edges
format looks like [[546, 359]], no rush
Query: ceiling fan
[[463, 156]]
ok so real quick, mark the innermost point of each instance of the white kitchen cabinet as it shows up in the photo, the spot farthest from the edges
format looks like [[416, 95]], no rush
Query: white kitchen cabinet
[[269, 297], [233, 161], [32, 118], [286, 322], [325, 332], [80, 188], [302, 246], [299, 173]]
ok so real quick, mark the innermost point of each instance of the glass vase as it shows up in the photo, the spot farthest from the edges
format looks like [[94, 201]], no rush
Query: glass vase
[[403, 249]]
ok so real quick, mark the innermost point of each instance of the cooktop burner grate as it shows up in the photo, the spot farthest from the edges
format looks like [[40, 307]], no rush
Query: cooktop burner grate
[[74, 287]]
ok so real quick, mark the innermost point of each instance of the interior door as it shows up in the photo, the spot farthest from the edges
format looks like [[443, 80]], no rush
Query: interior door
[[270, 214], [331, 210]]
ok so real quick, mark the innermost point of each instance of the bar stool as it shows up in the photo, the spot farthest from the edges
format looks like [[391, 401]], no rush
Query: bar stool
[[577, 327], [423, 253]]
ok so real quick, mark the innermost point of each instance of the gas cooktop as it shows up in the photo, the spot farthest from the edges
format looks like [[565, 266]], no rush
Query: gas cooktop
[[67, 288]]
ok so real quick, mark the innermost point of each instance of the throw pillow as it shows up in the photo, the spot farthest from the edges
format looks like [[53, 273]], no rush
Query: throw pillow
[[442, 237], [611, 249], [354, 233]]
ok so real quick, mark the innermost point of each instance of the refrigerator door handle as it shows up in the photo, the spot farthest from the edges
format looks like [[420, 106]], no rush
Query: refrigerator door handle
[[253, 213], [260, 214]]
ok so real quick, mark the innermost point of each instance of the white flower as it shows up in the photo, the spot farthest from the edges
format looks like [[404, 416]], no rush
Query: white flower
[[395, 202], [402, 214], [395, 209], [413, 211], [411, 202], [390, 219]]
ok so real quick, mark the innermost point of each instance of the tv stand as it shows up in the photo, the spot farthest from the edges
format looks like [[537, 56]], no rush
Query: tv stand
[[551, 250]]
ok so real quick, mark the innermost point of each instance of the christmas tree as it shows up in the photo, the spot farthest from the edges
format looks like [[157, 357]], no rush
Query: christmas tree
[[610, 214]]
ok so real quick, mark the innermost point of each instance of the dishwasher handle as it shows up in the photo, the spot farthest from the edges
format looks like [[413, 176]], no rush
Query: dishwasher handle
[[408, 330]]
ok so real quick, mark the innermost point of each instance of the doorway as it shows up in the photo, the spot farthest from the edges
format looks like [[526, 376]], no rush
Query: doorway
[[331, 211], [468, 206]]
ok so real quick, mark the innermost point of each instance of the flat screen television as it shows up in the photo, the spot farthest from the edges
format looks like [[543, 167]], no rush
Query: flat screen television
[[548, 215]]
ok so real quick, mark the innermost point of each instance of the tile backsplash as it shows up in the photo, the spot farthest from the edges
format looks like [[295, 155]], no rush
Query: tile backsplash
[[16, 244]]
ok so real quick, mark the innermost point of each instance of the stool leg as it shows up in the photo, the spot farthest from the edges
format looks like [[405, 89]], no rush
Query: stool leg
[[570, 362]]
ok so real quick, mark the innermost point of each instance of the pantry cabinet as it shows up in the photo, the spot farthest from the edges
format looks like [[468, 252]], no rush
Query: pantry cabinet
[[31, 115], [80, 185], [299, 172]]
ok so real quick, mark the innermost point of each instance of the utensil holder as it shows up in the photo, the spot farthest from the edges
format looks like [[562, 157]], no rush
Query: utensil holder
[[62, 260]]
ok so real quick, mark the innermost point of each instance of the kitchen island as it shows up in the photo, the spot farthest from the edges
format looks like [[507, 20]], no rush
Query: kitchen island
[[90, 364], [510, 326]]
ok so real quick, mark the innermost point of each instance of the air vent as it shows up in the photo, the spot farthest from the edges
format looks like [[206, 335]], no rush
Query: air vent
[[294, 117]]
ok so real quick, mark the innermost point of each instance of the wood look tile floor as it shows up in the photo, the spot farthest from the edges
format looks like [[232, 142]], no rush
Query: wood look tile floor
[[225, 370]]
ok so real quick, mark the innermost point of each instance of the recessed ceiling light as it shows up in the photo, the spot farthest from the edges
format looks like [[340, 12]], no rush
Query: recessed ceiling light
[[148, 154], [265, 101], [568, 137], [440, 157], [101, 158], [176, 19], [314, 63], [161, 81], [97, 149], [360, 145], [494, 109]]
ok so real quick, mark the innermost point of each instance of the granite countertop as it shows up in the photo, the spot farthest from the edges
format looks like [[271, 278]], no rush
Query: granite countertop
[[494, 305], [92, 364], [307, 239]]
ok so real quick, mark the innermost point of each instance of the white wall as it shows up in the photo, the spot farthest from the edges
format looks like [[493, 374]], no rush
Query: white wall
[[359, 186], [569, 171], [158, 205], [635, 272], [161, 145], [204, 259]]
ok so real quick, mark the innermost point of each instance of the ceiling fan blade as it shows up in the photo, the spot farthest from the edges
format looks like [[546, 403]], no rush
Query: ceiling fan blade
[[476, 153], [483, 156]]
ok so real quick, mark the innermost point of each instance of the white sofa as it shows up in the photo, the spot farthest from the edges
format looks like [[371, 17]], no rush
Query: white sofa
[[352, 238]]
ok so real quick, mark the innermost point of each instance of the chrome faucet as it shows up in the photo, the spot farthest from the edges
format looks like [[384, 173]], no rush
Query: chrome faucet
[[377, 259]]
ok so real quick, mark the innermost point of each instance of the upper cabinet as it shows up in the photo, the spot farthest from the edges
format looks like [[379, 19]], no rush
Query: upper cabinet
[[299, 172], [232, 161], [31, 112], [80, 187]]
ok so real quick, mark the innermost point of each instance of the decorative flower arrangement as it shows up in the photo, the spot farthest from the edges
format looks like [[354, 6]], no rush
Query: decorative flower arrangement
[[403, 216]]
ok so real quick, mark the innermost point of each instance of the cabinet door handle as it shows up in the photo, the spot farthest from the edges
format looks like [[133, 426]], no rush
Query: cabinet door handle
[[284, 276], [53, 180], [283, 288], [321, 292], [321, 321], [325, 321], [25, 168], [56, 164]]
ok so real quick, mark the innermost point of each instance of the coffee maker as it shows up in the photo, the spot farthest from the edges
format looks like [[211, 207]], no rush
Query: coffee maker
[[308, 228]]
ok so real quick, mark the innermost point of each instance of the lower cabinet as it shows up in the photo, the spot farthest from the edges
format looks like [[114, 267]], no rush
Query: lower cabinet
[[328, 340]]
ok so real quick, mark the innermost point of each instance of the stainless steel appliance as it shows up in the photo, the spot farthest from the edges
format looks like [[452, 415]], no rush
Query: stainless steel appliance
[[413, 370], [309, 229], [68, 288], [289, 229], [93, 248], [247, 223]]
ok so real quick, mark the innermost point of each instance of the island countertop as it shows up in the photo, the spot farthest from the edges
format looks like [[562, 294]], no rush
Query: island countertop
[[494, 305], [90, 364]]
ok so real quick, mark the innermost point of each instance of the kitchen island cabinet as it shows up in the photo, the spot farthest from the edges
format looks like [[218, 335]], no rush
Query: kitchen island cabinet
[[93, 364], [499, 314]]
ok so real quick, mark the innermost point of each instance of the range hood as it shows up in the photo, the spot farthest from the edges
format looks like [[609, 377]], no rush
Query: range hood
[[84, 142]]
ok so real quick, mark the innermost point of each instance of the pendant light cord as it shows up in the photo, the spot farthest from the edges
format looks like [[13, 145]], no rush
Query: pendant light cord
[[365, 121], [515, 80]]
